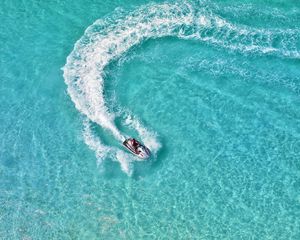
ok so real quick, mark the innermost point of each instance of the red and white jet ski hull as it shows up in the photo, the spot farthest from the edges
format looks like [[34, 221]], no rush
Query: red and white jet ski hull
[[139, 150]]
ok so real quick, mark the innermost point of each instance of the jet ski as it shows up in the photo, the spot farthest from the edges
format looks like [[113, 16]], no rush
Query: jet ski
[[137, 148]]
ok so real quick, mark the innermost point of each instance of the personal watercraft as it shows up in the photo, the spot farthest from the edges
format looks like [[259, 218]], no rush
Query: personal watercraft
[[137, 148]]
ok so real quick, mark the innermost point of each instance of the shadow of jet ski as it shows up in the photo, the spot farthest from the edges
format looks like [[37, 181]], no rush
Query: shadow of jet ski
[[136, 148]]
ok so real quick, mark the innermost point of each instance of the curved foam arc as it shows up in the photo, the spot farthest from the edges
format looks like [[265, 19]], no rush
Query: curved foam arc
[[108, 39], [84, 72]]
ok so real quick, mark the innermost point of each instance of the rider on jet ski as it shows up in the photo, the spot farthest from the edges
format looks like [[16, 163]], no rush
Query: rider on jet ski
[[135, 144], [137, 148]]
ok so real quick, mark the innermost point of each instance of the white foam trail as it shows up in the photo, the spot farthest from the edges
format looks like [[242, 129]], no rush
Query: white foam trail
[[107, 39], [84, 70], [94, 142], [125, 161], [103, 151]]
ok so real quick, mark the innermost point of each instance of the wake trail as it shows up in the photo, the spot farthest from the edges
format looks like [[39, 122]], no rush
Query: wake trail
[[107, 39]]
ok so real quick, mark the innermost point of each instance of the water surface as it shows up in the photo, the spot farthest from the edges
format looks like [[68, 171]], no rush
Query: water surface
[[212, 87]]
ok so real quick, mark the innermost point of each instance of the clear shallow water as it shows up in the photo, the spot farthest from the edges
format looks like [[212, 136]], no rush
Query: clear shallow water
[[212, 86]]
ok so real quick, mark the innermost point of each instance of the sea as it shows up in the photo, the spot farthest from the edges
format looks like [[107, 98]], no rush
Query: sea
[[211, 87]]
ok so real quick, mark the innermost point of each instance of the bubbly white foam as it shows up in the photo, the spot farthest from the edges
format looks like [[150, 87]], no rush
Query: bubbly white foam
[[107, 39], [94, 142], [103, 151]]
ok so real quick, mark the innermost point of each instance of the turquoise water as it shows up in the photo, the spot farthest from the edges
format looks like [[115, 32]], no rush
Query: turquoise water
[[212, 87]]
